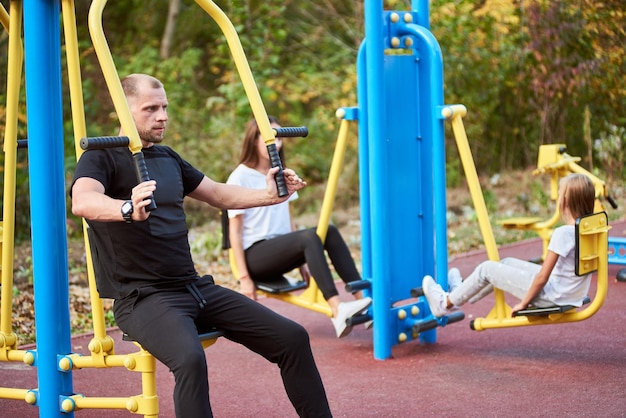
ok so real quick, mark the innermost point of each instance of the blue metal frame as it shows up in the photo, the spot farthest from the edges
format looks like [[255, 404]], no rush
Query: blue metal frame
[[617, 250], [42, 47], [402, 169]]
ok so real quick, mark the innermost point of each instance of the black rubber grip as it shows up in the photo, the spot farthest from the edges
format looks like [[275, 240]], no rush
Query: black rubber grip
[[22, 143], [281, 186], [455, 317], [358, 319], [609, 198], [425, 326], [417, 292], [142, 175], [102, 142], [292, 132], [357, 285]]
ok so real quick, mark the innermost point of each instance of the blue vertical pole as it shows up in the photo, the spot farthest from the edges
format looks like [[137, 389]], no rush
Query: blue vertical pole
[[378, 173], [423, 12], [364, 174], [42, 51]]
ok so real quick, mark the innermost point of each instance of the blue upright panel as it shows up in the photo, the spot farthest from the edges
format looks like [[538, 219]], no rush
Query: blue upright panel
[[402, 171], [47, 195]]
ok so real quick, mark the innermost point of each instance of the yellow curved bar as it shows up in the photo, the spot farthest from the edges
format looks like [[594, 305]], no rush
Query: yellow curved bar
[[455, 113], [312, 295], [110, 75], [4, 18], [14, 72], [232, 38], [599, 184], [80, 131], [312, 298]]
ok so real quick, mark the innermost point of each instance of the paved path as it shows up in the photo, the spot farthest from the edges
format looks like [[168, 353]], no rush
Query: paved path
[[568, 370]]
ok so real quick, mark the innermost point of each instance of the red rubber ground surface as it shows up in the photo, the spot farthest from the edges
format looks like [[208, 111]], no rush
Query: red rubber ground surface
[[568, 370]]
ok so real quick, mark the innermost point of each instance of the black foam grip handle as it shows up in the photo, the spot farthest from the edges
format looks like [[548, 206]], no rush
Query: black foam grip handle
[[281, 186], [425, 326], [455, 317], [612, 202], [358, 285], [417, 292], [142, 175], [102, 142], [292, 132], [358, 319]]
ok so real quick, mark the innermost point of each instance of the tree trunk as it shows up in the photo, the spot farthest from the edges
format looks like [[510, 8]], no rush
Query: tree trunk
[[170, 26]]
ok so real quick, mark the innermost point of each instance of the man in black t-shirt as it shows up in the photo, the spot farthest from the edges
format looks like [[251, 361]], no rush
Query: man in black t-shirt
[[143, 261]]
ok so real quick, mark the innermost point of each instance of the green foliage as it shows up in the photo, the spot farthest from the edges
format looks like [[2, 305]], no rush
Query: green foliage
[[491, 201], [539, 194], [207, 244], [525, 71], [610, 152]]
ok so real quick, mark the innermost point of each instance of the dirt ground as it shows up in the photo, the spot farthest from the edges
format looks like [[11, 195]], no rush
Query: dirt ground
[[514, 194]]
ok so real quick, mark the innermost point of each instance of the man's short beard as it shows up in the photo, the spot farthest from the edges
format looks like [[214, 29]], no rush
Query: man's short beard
[[148, 137]]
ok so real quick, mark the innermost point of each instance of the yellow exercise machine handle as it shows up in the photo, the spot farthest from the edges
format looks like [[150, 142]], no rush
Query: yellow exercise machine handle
[[117, 93], [250, 87]]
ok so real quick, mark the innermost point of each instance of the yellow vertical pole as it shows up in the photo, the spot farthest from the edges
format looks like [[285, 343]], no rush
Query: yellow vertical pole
[[313, 292], [80, 131], [455, 113], [16, 56], [336, 167]]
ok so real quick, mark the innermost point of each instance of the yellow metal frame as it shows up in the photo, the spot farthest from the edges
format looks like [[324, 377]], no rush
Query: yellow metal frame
[[312, 298], [243, 68], [101, 346], [593, 248], [554, 161], [8, 339], [593, 254]]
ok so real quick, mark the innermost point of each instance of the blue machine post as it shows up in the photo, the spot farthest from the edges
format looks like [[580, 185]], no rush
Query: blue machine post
[[377, 173], [42, 49], [402, 169]]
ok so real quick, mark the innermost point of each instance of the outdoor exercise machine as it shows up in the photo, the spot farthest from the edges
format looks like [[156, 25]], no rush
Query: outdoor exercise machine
[[401, 115], [554, 161], [591, 250], [401, 172], [284, 288], [55, 363]]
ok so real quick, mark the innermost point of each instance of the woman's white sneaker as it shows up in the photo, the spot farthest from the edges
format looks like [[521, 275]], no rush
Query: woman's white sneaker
[[348, 310]]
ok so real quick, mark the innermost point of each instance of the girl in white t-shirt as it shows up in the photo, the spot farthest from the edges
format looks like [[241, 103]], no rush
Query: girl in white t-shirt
[[266, 244], [552, 283]]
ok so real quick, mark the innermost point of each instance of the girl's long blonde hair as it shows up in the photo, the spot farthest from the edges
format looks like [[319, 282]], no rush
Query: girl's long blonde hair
[[577, 194]]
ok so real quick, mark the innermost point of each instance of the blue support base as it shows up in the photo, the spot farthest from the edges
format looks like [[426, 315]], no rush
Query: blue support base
[[617, 250]]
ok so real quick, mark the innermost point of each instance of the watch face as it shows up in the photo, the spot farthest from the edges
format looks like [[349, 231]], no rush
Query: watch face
[[127, 207]]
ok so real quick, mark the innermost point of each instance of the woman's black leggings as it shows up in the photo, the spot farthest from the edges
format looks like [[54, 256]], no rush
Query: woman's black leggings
[[274, 257]]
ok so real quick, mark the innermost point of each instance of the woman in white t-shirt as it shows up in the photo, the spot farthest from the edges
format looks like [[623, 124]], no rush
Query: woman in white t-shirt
[[552, 283], [267, 245]]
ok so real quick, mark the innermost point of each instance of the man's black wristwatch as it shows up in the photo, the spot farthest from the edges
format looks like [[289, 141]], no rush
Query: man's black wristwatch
[[127, 211]]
